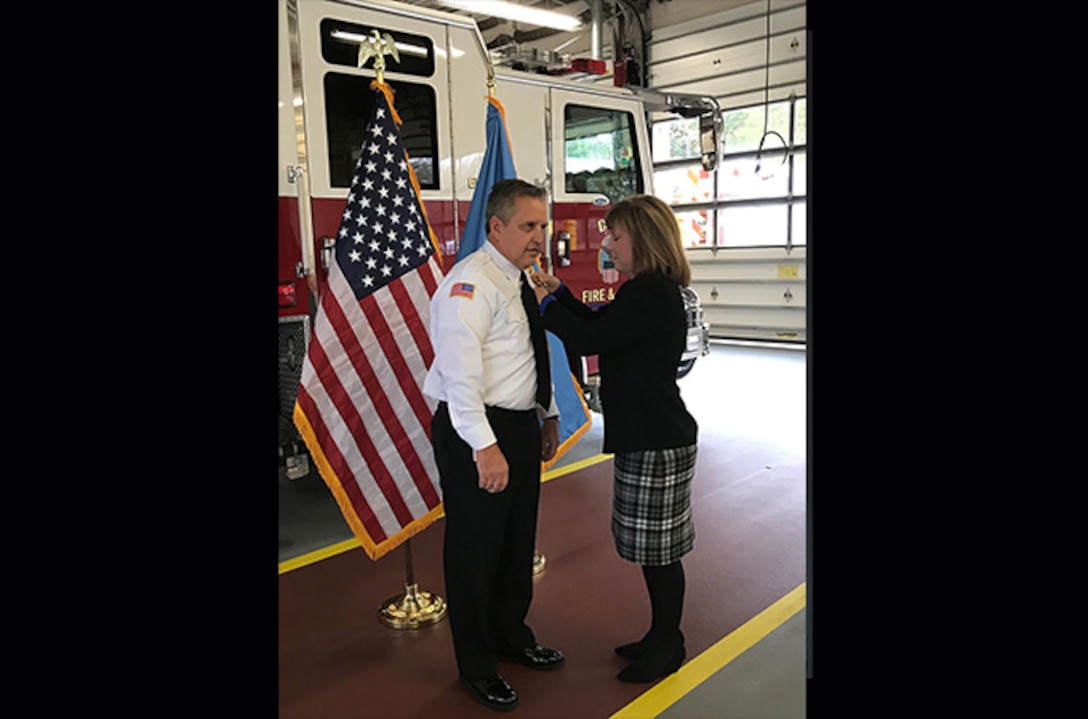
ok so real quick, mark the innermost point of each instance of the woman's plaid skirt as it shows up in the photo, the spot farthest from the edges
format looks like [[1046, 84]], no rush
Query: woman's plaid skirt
[[651, 505]]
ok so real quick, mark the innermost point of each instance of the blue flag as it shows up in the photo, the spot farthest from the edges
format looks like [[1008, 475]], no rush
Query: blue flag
[[498, 164]]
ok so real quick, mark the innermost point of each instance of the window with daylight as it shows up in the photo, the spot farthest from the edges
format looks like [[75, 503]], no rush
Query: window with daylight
[[756, 197], [349, 102], [600, 154]]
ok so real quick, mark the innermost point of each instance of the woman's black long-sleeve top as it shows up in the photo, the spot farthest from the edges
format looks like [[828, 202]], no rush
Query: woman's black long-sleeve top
[[638, 338]]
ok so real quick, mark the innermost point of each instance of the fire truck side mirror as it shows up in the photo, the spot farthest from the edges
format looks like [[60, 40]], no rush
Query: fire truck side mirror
[[709, 137]]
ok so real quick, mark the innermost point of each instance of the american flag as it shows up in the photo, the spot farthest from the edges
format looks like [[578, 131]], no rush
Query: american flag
[[360, 408]]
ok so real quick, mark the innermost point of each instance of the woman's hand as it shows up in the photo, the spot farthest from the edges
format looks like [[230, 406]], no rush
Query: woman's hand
[[548, 282]]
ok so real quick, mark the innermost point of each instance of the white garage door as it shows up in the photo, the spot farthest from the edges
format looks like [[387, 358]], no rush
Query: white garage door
[[745, 223]]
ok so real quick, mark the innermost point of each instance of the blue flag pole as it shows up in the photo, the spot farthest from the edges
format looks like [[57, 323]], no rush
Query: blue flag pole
[[498, 164]]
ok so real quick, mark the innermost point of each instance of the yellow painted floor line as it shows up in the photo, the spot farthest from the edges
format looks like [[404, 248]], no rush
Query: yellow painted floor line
[[349, 544], [574, 466], [318, 554], [671, 689]]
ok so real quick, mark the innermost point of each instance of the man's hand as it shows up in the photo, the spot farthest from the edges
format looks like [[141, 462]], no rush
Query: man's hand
[[493, 470], [549, 439]]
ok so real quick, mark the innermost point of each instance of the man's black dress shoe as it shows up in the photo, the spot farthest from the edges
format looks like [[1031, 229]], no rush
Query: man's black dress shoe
[[492, 692], [535, 657]]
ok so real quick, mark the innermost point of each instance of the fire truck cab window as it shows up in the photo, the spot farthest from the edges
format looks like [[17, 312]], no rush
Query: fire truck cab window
[[349, 102], [340, 42], [600, 152]]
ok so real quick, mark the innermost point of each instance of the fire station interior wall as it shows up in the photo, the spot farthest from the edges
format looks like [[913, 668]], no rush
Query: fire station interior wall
[[754, 293], [723, 54]]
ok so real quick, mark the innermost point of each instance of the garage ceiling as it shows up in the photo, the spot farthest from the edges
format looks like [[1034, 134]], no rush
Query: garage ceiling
[[629, 17]]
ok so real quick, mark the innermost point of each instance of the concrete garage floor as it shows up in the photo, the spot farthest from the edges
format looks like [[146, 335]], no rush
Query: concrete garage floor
[[744, 607]]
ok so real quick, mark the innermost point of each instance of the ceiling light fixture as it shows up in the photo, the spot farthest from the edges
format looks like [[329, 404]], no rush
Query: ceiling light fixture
[[520, 13]]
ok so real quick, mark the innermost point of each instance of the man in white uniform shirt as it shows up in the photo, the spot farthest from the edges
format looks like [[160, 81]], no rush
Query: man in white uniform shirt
[[491, 431]]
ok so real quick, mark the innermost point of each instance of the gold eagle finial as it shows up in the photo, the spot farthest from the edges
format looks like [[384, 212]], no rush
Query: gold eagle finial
[[378, 47]]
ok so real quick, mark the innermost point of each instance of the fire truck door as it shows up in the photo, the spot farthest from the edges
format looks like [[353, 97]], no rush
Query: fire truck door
[[600, 155]]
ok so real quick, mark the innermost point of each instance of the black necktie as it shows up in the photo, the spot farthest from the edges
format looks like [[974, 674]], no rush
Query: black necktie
[[540, 345]]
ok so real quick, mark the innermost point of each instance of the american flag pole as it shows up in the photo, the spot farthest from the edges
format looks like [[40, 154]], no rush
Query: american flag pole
[[413, 608], [360, 407]]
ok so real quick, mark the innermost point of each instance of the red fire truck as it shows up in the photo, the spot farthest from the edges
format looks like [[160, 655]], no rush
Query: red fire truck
[[587, 142]]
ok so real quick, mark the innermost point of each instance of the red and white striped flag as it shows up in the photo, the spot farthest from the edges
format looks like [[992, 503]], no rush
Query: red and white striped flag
[[361, 409]]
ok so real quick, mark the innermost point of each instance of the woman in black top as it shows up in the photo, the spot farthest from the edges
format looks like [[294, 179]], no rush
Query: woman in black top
[[639, 338]]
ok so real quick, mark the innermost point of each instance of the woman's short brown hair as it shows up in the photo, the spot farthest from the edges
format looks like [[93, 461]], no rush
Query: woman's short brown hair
[[655, 236]]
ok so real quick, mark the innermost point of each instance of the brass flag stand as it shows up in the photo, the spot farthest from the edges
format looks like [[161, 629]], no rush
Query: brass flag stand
[[414, 608]]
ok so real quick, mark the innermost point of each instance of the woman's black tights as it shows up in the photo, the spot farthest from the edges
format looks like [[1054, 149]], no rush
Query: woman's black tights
[[661, 651], [666, 587]]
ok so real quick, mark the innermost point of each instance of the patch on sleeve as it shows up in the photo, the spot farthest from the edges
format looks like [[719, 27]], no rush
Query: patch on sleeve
[[463, 289]]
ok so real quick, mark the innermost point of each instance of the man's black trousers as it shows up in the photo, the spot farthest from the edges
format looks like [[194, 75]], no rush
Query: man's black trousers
[[489, 540]]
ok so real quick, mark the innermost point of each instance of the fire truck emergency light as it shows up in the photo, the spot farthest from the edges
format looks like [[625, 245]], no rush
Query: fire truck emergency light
[[287, 295], [521, 13], [585, 64]]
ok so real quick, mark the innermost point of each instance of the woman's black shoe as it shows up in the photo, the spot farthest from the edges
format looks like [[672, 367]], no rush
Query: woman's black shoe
[[634, 650], [658, 661]]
